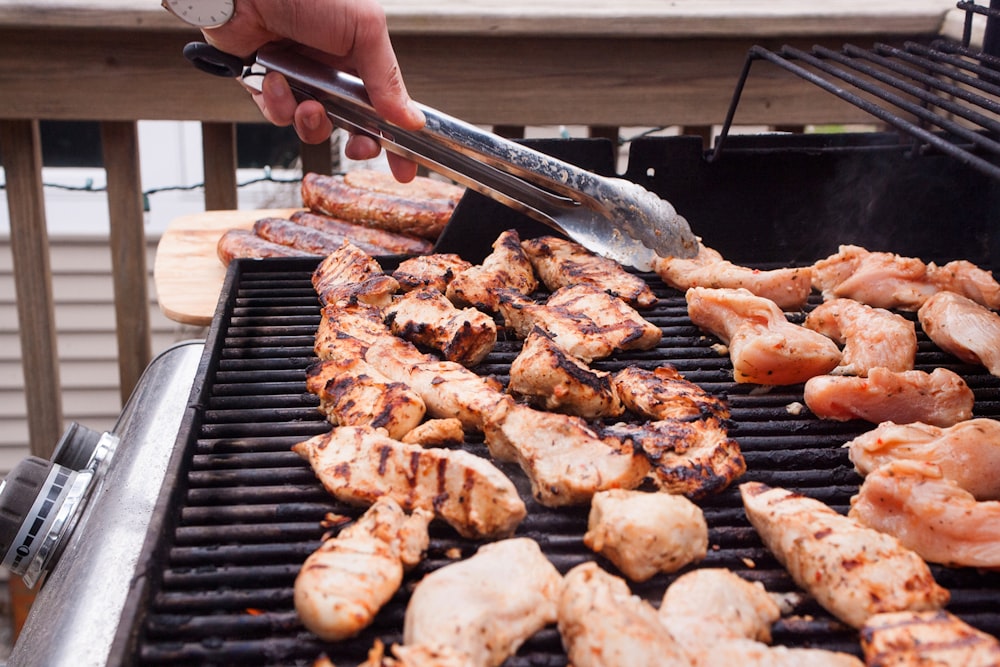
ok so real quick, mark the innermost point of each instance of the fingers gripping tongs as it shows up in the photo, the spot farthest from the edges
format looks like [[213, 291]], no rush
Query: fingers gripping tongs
[[610, 216]]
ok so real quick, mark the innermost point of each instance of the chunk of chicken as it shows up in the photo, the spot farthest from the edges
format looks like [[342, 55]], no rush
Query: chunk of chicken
[[426, 317], [853, 571], [507, 267], [962, 327], [788, 287], [359, 464], [663, 393], [583, 320], [926, 638], [349, 275], [436, 433], [930, 514], [344, 583], [764, 346], [967, 453], [940, 397], [435, 271], [549, 378], [603, 625], [748, 653], [419, 655], [644, 533], [346, 330], [695, 458], [486, 606], [566, 461], [562, 263], [352, 393], [871, 337]]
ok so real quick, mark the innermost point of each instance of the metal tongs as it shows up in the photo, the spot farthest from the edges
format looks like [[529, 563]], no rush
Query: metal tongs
[[612, 217]]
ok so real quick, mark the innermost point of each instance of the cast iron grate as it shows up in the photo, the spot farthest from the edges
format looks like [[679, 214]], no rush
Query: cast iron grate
[[246, 511]]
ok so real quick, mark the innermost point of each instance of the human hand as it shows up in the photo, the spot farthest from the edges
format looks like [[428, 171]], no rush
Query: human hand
[[350, 35]]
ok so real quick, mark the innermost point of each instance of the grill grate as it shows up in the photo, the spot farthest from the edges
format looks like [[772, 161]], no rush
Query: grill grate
[[245, 511], [944, 97]]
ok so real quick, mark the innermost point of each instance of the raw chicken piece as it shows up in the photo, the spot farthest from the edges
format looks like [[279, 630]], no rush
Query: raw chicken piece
[[548, 377], [344, 583], [789, 288], [603, 625], [583, 320], [871, 337], [853, 571], [724, 620], [764, 346], [434, 271], [663, 393], [359, 464], [352, 393], [965, 278], [419, 655], [349, 274], [695, 458], [930, 514], [426, 317], [507, 267], [565, 460], [926, 639], [964, 328], [561, 263], [644, 533], [485, 606], [967, 453], [940, 397]]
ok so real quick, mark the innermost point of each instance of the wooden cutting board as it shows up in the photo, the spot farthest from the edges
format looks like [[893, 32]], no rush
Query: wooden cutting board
[[187, 271]]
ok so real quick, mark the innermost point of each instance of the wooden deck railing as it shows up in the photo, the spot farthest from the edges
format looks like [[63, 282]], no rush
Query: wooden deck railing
[[514, 64]]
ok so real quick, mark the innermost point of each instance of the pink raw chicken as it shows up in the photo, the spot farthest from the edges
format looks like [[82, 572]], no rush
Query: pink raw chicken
[[964, 328], [764, 346], [871, 336]]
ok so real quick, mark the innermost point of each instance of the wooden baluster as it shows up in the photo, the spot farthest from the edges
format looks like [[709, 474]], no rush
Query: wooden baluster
[[218, 146], [120, 143], [20, 146]]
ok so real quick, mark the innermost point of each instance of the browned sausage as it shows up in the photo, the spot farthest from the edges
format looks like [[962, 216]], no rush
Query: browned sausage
[[420, 187], [371, 240], [244, 243], [294, 235]]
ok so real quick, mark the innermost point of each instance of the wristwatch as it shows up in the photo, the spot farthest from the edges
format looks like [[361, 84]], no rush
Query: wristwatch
[[202, 13]]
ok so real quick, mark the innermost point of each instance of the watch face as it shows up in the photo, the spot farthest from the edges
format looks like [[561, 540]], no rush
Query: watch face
[[202, 13]]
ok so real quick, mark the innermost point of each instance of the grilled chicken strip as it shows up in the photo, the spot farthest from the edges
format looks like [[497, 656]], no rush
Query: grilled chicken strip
[[926, 638], [426, 317], [789, 288], [853, 571], [350, 274], [549, 378], [352, 393], [507, 267], [967, 453], [347, 331], [644, 533], [359, 464], [566, 462], [603, 625], [344, 583], [887, 280], [764, 346], [562, 263], [934, 516], [436, 433], [724, 620], [962, 327], [940, 397], [872, 337], [582, 320], [435, 271], [371, 240], [693, 458], [485, 606], [663, 393], [449, 390]]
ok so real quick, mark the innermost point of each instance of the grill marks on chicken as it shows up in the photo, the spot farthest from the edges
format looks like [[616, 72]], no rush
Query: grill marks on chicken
[[427, 318], [343, 584], [486, 606], [926, 638], [853, 571], [940, 397], [663, 393], [930, 514], [350, 275], [435, 271], [871, 337], [764, 346], [563, 263], [789, 288], [964, 328], [359, 464], [507, 267]]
